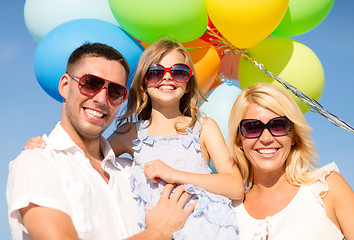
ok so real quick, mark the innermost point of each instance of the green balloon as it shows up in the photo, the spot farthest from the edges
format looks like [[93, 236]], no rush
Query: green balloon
[[290, 60], [302, 16], [184, 20]]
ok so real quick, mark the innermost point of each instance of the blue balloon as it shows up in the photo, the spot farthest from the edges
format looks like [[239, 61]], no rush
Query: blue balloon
[[218, 107], [54, 49]]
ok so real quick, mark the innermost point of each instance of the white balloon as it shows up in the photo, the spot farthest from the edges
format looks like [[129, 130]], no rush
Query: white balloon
[[218, 107], [219, 104], [41, 16]]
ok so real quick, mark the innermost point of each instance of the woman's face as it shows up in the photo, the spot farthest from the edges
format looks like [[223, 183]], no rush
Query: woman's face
[[167, 91], [267, 154]]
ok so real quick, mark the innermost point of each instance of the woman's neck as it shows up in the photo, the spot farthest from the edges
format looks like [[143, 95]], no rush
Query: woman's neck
[[269, 183], [269, 194]]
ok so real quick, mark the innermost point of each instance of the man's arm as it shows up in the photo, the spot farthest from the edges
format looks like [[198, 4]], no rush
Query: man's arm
[[47, 223], [168, 216]]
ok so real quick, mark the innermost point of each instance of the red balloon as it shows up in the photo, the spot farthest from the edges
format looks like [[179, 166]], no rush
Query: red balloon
[[212, 35]]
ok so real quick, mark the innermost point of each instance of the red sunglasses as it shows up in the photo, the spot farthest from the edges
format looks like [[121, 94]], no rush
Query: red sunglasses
[[180, 73], [90, 85]]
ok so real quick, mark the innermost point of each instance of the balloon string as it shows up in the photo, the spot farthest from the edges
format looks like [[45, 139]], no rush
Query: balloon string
[[223, 44]]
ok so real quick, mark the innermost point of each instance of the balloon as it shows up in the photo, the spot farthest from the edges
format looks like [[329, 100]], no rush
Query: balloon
[[41, 16], [54, 49], [206, 62], [302, 16], [150, 20], [218, 107], [212, 35], [290, 60], [246, 23], [229, 65]]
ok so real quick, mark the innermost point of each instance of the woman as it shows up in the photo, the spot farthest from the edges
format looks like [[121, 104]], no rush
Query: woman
[[285, 197]]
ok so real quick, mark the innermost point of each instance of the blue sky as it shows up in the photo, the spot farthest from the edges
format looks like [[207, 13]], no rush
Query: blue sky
[[29, 111]]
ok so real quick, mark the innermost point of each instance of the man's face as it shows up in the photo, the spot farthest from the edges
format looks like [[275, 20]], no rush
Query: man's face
[[88, 117]]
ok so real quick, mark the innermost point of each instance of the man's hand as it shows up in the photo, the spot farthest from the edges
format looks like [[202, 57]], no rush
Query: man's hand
[[169, 214]]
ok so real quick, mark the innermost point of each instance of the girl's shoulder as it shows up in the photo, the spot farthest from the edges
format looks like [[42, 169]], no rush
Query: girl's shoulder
[[121, 139], [124, 128], [208, 123]]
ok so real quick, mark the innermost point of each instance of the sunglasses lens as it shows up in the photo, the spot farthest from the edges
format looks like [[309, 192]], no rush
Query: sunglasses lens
[[279, 126], [90, 84], [117, 93], [155, 73], [180, 73], [251, 128]]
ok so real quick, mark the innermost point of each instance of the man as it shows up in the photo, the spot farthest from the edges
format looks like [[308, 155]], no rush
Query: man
[[75, 188]]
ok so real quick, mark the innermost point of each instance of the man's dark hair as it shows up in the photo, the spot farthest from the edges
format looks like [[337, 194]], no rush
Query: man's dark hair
[[96, 50]]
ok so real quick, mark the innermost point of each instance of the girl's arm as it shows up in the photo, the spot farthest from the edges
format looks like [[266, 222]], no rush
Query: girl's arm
[[121, 139], [340, 201], [227, 182]]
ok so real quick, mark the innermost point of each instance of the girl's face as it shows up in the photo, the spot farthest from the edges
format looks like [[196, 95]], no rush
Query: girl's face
[[167, 92], [267, 154]]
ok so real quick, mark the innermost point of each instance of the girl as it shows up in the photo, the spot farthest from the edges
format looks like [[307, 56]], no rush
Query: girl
[[170, 143]]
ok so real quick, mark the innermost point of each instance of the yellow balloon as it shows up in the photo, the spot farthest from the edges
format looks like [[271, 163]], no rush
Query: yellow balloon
[[292, 61], [245, 23]]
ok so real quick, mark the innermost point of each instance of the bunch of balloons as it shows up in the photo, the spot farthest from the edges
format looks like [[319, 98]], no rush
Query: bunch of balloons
[[211, 30]]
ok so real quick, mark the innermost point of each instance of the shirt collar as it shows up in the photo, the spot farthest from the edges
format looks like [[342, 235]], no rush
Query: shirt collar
[[60, 140]]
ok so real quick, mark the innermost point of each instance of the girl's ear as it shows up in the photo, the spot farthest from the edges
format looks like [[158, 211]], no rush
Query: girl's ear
[[64, 85]]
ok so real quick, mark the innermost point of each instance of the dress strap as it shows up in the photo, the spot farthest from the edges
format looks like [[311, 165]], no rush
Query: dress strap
[[197, 126], [193, 136], [320, 187], [143, 136]]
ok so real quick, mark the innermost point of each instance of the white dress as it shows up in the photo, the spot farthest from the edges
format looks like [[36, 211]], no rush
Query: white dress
[[213, 217], [303, 218]]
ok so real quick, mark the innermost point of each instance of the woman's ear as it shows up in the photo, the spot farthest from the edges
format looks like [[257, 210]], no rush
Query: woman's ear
[[63, 87]]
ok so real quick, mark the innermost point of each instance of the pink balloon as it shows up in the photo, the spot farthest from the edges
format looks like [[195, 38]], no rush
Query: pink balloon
[[229, 65]]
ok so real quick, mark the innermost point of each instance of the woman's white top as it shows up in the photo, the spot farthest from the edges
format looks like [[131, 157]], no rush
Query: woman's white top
[[303, 218]]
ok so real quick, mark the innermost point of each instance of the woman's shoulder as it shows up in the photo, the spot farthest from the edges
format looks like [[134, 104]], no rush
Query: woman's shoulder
[[320, 186], [337, 185]]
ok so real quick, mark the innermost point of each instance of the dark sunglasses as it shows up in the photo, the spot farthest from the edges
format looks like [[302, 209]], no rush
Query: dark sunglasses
[[180, 73], [253, 128], [90, 85]]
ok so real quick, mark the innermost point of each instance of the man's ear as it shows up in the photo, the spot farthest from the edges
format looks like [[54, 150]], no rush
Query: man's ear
[[63, 87]]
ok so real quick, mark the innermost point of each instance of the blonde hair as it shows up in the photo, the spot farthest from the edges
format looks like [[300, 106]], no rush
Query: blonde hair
[[301, 161], [139, 103]]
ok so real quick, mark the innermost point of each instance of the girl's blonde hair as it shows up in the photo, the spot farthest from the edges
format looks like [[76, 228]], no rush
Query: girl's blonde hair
[[139, 103], [301, 161]]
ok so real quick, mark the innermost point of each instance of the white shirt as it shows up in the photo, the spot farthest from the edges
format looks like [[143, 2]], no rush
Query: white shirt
[[303, 218], [61, 177]]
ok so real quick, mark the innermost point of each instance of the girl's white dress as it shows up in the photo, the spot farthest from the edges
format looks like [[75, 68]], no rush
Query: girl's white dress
[[213, 217]]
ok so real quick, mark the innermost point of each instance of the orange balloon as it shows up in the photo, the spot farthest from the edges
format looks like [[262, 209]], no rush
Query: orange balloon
[[215, 83], [206, 62]]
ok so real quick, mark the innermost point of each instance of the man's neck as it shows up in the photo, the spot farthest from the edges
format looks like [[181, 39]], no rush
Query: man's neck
[[90, 146]]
